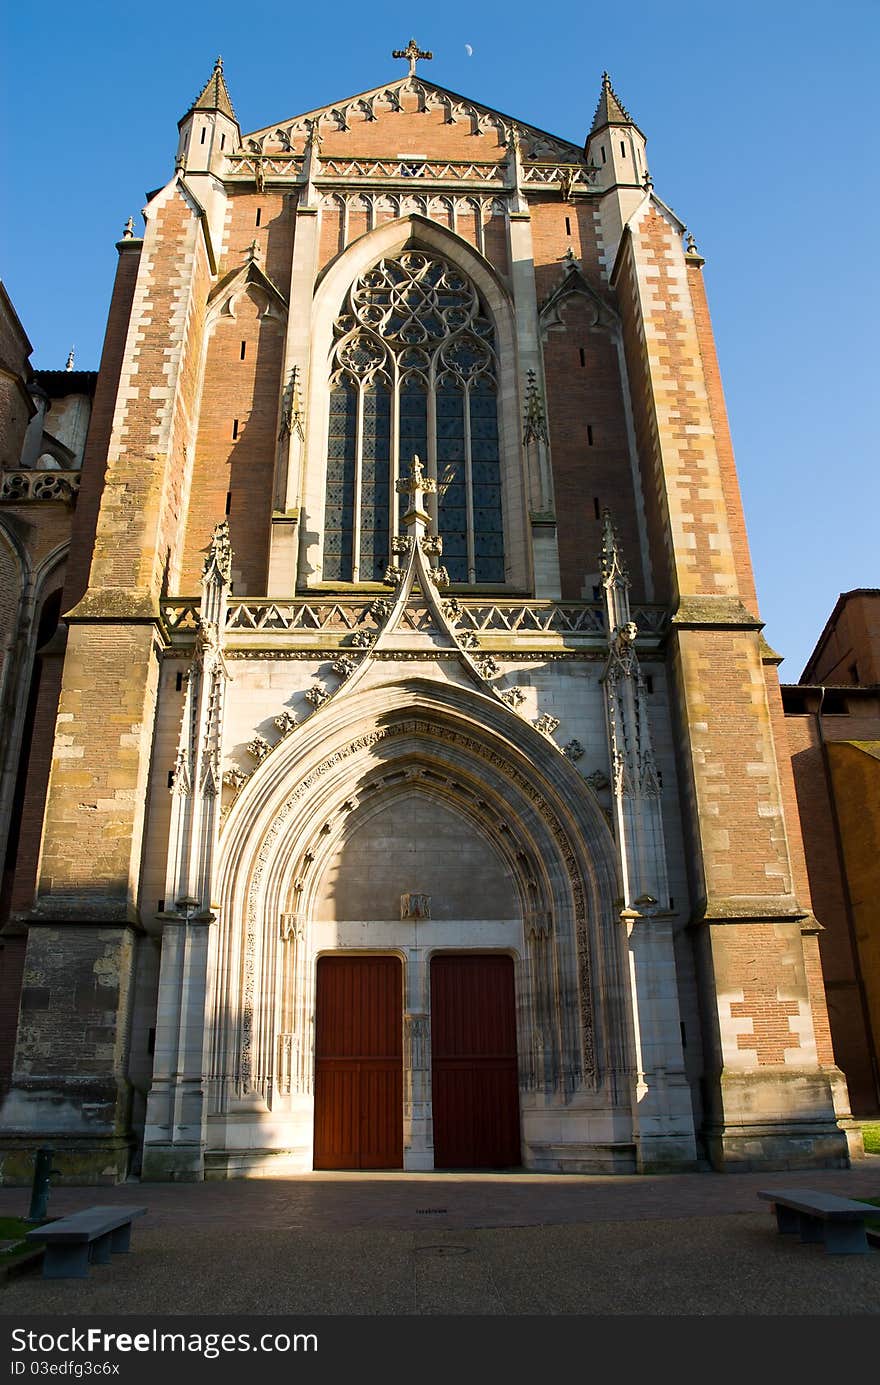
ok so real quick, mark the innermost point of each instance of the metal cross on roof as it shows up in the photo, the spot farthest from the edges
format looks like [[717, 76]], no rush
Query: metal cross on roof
[[413, 52]]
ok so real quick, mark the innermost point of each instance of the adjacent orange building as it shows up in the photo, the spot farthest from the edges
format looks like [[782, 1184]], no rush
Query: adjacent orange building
[[833, 725]]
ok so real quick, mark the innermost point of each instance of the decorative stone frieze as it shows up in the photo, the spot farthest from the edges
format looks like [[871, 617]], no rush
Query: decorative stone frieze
[[19, 486]]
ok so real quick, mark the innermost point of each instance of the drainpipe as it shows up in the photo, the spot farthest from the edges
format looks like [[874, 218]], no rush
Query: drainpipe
[[847, 900]]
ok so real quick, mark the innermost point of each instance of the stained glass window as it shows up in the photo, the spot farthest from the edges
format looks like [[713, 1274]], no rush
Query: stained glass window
[[413, 370]]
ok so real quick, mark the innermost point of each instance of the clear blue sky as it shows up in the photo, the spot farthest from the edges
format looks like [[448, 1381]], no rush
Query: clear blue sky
[[762, 123]]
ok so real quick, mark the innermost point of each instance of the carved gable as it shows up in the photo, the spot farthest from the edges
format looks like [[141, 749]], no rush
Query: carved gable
[[410, 116]]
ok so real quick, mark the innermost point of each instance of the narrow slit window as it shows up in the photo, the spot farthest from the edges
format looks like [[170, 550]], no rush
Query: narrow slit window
[[583, 355], [259, 216], [222, 141], [622, 150], [568, 225], [204, 132], [590, 434], [178, 682], [228, 501], [649, 683], [602, 152], [243, 349], [234, 429], [597, 510], [171, 779]]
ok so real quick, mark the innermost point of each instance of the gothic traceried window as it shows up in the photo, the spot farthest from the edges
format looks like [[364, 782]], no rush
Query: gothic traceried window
[[413, 370]]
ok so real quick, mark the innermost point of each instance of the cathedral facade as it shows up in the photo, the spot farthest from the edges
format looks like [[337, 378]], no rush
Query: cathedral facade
[[402, 779]]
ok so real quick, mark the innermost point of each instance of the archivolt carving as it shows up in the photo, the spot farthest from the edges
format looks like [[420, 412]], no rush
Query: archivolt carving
[[586, 1069]]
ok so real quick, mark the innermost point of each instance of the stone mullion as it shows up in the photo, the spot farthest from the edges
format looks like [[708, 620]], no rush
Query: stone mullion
[[358, 487], [469, 482], [394, 460], [432, 501]]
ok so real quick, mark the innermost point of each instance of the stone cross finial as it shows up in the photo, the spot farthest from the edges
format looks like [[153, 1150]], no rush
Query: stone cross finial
[[69, 365], [413, 53], [417, 485], [128, 232]]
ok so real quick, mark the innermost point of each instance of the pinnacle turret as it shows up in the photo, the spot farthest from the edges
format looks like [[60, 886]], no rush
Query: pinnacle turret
[[210, 128], [214, 95], [610, 109]]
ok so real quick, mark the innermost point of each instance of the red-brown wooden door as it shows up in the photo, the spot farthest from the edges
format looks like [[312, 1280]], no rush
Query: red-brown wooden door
[[473, 1063], [359, 1063]]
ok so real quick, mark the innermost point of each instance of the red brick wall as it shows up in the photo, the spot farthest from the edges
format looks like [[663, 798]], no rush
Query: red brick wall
[[248, 391], [100, 424], [591, 463], [723, 444]]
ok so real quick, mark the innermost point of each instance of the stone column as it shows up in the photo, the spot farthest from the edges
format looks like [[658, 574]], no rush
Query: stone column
[[174, 1134], [174, 1138], [663, 1122]]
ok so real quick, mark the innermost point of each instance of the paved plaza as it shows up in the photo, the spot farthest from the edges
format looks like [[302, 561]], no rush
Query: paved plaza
[[462, 1244]]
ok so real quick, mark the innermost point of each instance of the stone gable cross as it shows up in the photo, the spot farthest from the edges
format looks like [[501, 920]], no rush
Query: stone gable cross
[[413, 52], [417, 485]]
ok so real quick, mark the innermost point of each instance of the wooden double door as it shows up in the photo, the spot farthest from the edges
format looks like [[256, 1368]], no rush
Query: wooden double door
[[359, 1062]]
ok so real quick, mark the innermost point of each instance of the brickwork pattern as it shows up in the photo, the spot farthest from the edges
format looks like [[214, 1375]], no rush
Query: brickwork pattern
[[591, 464], [142, 503], [736, 520], [100, 425], [74, 1003], [761, 962], [236, 443], [744, 850], [91, 843]]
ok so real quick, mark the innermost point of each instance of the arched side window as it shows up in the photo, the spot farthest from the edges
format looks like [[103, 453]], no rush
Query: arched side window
[[413, 370]]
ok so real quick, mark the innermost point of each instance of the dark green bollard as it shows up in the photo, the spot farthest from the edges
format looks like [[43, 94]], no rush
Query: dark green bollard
[[43, 1171]]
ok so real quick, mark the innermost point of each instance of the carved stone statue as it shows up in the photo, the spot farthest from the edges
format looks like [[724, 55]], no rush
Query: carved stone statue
[[415, 906]]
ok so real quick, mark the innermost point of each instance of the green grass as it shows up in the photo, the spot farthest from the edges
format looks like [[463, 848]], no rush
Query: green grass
[[871, 1137], [14, 1229]]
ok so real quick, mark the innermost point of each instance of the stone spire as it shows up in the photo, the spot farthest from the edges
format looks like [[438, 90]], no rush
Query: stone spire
[[610, 110], [209, 131], [214, 95], [616, 150]]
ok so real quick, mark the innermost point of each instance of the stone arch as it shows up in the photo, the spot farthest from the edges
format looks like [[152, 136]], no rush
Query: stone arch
[[500, 774], [37, 581], [385, 240]]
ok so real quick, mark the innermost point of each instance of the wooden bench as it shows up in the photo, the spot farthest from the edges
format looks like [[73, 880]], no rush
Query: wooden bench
[[822, 1218], [93, 1235]]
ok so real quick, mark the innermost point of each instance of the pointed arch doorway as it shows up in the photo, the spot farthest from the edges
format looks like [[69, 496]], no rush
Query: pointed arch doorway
[[473, 1062], [359, 1063]]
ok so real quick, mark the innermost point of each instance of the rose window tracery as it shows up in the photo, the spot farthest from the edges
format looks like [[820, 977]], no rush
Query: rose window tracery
[[413, 369]]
